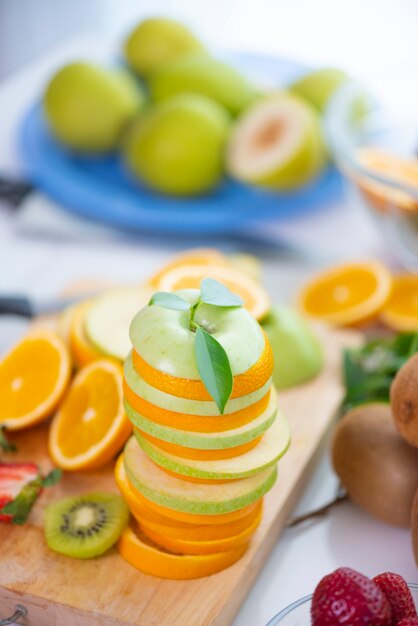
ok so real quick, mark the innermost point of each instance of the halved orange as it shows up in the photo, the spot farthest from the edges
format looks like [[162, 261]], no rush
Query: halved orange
[[247, 382], [82, 349], [91, 426], [196, 423], [33, 378], [141, 553], [195, 256], [401, 310], [255, 298], [347, 295], [200, 545]]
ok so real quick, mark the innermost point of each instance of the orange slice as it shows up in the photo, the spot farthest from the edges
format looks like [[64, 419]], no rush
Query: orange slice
[[196, 423], [195, 453], [82, 350], [394, 169], [91, 425], [247, 382], [138, 504], [347, 295], [202, 546], [195, 256], [401, 310], [33, 378], [256, 299], [135, 548]]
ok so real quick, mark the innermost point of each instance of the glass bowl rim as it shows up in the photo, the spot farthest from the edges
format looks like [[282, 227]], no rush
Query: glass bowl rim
[[304, 600]]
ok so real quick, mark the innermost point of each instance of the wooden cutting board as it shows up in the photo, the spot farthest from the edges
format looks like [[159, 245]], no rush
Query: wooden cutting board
[[59, 591]]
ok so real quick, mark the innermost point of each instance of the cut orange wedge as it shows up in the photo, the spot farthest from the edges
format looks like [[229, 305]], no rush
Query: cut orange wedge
[[255, 298], [195, 256], [202, 546], [141, 553], [347, 295], [401, 310], [82, 349], [245, 383], [91, 426], [33, 379]]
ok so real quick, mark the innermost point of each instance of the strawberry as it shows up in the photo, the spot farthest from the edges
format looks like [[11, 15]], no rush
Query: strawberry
[[398, 594], [347, 597], [20, 486], [408, 621]]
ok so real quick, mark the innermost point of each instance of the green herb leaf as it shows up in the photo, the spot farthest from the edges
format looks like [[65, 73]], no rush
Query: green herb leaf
[[5, 444], [22, 505], [169, 301], [214, 368], [213, 292], [52, 478]]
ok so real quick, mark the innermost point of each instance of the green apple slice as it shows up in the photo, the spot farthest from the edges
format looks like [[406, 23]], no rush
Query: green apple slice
[[108, 319], [183, 405], [277, 143], [267, 452], [207, 441], [204, 499]]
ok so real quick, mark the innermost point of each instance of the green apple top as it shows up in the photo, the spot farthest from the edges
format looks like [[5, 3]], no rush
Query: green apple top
[[163, 338]]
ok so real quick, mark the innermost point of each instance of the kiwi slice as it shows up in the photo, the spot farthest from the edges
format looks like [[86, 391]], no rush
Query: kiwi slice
[[86, 526]]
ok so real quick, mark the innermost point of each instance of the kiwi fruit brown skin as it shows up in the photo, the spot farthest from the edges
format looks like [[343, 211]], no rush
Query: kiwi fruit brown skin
[[414, 526], [404, 400], [376, 466]]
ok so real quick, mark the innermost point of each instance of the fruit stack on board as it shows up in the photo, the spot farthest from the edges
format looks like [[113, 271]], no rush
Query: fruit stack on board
[[193, 476]]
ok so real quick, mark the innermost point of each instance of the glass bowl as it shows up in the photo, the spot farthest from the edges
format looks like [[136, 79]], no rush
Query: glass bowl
[[359, 131], [299, 613]]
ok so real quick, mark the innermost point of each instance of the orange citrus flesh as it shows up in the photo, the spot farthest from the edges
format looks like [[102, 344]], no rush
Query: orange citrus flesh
[[138, 503], [347, 295], [202, 546], [91, 425], [33, 378], [247, 382], [202, 455], [195, 423], [82, 350], [401, 310], [195, 256], [256, 300], [141, 553]]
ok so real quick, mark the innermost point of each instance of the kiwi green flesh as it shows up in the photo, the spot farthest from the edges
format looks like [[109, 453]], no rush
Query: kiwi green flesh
[[404, 401], [376, 466], [86, 526]]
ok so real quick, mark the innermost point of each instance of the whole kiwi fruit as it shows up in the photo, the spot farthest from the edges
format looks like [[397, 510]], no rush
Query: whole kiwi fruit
[[376, 466], [414, 526], [404, 400]]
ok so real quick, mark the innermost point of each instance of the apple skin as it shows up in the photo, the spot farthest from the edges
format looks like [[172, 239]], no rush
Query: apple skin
[[162, 337], [88, 107], [298, 354], [156, 41], [318, 87], [272, 446], [177, 147], [207, 441], [303, 165], [204, 75], [204, 499]]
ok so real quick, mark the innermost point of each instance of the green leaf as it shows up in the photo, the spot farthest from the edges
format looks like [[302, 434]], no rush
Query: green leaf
[[169, 301], [214, 368], [52, 478], [5, 444], [213, 292], [22, 505]]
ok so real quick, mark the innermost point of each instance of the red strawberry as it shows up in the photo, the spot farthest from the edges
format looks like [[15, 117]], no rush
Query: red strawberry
[[397, 592], [348, 598], [14, 477], [408, 621]]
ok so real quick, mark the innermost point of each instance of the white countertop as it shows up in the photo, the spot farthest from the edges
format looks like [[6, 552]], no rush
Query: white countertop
[[34, 263]]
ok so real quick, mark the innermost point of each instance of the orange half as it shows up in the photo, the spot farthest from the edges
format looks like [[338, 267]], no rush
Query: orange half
[[401, 310], [33, 378], [347, 295], [195, 256], [91, 426]]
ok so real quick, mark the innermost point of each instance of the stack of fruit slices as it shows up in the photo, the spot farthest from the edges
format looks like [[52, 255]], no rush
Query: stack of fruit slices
[[194, 478]]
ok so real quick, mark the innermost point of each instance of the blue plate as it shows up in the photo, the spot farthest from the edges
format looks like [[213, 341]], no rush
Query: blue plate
[[100, 189]]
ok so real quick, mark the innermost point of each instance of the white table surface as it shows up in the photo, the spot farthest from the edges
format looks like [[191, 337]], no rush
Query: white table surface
[[43, 264]]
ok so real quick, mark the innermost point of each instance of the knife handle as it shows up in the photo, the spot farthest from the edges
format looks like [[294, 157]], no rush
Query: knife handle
[[14, 191], [16, 305]]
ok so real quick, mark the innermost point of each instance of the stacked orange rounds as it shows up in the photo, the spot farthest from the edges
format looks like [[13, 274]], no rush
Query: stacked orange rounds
[[193, 478]]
